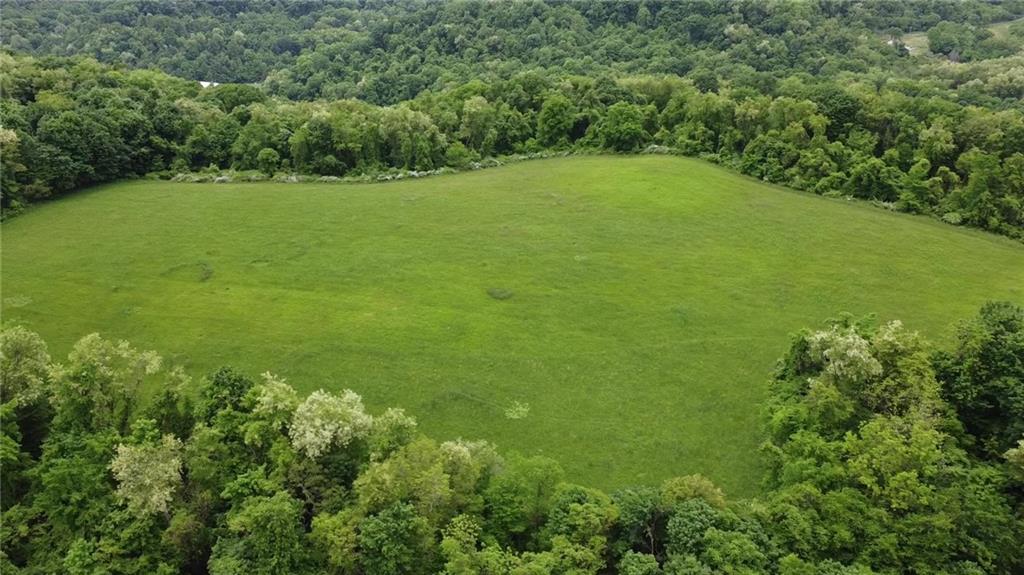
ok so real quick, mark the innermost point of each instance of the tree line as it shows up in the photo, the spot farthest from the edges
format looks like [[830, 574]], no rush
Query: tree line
[[909, 144], [885, 455]]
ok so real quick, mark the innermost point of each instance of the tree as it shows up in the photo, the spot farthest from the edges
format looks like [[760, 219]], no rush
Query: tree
[[871, 178], [24, 367], [1015, 459], [639, 564], [688, 525], [148, 469], [555, 120], [411, 139], [704, 80], [75, 490], [173, 409], [917, 195], [211, 142], [392, 430], [325, 421], [395, 542], [983, 378], [268, 160], [782, 116], [10, 168], [951, 39], [679, 489], [730, 551], [265, 537], [518, 500], [225, 391], [312, 143], [459, 156], [440, 481], [840, 107], [25, 412], [642, 518], [477, 127], [274, 401], [622, 128], [229, 96], [97, 389], [936, 144], [582, 515], [849, 487], [1008, 84], [263, 130], [977, 201], [866, 473]]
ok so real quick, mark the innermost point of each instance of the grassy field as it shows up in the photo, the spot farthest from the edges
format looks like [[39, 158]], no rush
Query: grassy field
[[636, 304], [918, 41]]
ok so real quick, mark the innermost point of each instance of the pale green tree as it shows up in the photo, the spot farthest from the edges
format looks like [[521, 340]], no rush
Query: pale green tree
[[24, 366], [148, 472], [477, 127], [936, 143], [391, 430], [98, 388], [679, 489], [273, 404], [275, 399], [1015, 460], [414, 474]]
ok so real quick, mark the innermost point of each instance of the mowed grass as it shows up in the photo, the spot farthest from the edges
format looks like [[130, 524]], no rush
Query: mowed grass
[[636, 304]]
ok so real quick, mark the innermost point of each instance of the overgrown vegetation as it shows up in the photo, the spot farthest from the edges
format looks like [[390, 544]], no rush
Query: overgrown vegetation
[[871, 472]]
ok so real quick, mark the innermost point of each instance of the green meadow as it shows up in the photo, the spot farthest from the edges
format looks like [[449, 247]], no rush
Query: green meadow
[[635, 305]]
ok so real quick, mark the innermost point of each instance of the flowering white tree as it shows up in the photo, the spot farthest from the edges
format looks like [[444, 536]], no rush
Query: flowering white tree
[[846, 355], [148, 474], [890, 373], [325, 420]]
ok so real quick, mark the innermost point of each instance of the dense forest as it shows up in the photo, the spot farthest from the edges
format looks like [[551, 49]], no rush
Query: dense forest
[[387, 52], [885, 456], [810, 96]]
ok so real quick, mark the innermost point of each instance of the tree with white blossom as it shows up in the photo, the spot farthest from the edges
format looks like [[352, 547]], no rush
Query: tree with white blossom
[[325, 421]]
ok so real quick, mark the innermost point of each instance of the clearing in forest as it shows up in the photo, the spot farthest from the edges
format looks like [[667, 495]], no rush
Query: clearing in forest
[[620, 314]]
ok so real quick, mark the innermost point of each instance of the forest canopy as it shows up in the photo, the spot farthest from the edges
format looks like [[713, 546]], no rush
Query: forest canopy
[[388, 52]]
